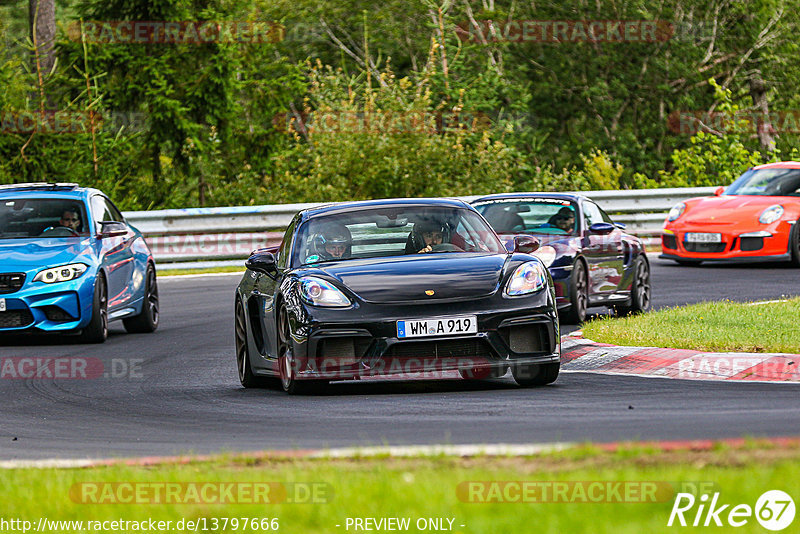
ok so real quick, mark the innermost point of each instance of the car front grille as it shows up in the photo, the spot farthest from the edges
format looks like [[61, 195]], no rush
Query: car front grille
[[15, 318], [669, 241], [705, 247], [11, 282], [451, 348], [529, 338]]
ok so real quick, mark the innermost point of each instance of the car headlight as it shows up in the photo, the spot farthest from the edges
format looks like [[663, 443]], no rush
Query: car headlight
[[771, 214], [676, 211], [547, 254], [65, 273], [319, 292], [528, 278]]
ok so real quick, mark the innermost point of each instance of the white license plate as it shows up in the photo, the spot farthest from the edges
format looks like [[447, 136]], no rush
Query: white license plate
[[702, 237], [2, 305], [444, 326]]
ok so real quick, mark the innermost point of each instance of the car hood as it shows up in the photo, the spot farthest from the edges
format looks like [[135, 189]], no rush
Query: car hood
[[407, 278], [727, 209], [27, 254]]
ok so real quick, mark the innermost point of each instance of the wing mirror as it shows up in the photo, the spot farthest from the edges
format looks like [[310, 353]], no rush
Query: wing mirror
[[527, 244], [602, 228], [718, 191], [262, 262], [112, 229]]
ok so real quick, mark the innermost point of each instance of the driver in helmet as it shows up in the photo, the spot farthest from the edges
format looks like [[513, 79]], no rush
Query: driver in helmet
[[426, 235], [333, 243]]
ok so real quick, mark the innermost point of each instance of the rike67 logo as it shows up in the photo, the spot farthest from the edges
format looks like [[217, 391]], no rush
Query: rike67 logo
[[774, 510]]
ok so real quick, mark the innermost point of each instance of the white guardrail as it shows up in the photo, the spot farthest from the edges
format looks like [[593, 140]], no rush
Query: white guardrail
[[206, 237]]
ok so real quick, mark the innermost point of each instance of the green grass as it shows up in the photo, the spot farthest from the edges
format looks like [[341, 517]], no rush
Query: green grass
[[181, 272], [710, 326], [423, 487]]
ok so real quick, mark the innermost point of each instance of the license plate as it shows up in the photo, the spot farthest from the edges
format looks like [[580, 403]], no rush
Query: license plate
[[702, 237], [444, 326], [2, 305]]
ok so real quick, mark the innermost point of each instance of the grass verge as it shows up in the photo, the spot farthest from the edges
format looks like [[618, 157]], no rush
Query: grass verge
[[710, 326], [327, 492]]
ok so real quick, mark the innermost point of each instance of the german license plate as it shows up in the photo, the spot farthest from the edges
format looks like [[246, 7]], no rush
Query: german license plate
[[443, 326], [702, 237], [2, 305]]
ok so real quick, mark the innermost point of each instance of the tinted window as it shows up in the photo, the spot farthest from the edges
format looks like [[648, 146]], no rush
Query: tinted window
[[767, 182], [32, 217], [593, 214], [529, 216], [393, 231]]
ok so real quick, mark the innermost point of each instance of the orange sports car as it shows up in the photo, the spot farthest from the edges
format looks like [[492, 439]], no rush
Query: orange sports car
[[754, 219]]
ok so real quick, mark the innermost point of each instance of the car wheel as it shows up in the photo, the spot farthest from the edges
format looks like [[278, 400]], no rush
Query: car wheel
[[286, 361], [147, 320], [640, 289], [246, 375], [97, 329], [689, 263], [527, 375], [482, 373], [795, 244], [578, 295]]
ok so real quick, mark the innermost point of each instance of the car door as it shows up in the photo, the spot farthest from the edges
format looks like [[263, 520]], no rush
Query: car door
[[603, 252], [115, 252], [265, 293]]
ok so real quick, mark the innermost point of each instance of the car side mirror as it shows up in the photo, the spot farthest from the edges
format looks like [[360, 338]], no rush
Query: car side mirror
[[112, 229], [621, 226], [527, 244], [262, 262], [718, 191], [602, 228]]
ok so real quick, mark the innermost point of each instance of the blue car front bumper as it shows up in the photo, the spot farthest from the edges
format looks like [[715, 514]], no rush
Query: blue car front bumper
[[58, 307]]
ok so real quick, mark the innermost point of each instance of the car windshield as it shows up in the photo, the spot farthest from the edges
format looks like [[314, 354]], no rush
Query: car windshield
[[529, 216], [393, 231], [767, 182], [25, 218]]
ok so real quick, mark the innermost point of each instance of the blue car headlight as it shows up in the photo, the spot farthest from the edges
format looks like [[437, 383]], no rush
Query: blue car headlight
[[319, 292], [64, 273], [527, 278]]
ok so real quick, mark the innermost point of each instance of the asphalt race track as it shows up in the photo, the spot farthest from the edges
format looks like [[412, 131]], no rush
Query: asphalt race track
[[177, 391]]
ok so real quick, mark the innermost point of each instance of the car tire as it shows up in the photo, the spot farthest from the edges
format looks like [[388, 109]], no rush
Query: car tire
[[794, 245], [483, 373], [640, 290], [97, 329], [245, 371], [286, 362], [147, 321], [578, 295], [528, 375], [689, 263]]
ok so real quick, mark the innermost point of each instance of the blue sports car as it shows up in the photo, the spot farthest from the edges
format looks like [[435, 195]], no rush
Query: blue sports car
[[70, 263]]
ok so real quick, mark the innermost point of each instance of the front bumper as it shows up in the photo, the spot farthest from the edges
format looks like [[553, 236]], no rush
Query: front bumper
[[58, 308], [768, 243], [511, 331]]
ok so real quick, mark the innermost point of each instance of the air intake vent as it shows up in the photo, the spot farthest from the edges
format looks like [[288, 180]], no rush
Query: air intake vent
[[11, 282]]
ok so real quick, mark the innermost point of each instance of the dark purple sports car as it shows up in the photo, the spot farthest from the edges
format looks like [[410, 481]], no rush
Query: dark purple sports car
[[593, 262]]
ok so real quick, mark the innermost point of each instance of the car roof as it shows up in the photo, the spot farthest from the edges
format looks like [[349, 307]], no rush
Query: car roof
[[46, 190], [345, 207], [574, 197], [779, 165]]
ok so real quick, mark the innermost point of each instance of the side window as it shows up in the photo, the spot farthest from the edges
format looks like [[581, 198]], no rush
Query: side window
[[113, 212], [283, 253], [98, 211], [592, 214]]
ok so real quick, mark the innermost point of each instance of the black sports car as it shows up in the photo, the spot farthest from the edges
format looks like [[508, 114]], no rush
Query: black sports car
[[593, 262], [393, 287]]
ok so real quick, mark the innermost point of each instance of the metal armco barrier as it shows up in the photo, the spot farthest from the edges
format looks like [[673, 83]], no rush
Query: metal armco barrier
[[214, 234]]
